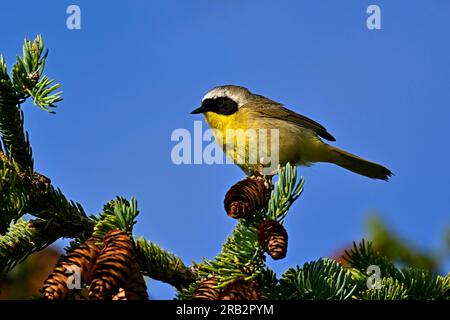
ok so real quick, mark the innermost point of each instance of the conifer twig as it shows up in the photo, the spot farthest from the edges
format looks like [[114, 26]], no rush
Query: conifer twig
[[159, 264]]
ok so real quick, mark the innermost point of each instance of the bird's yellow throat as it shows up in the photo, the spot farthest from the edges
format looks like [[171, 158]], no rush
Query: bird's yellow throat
[[222, 122]]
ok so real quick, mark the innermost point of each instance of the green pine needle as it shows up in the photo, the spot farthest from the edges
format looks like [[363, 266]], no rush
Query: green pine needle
[[29, 79], [390, 289], [287, 189], [324, 279], [118, 214]]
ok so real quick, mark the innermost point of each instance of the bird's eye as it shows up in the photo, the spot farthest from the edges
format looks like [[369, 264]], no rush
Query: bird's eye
[[226, 106], [220, 105]]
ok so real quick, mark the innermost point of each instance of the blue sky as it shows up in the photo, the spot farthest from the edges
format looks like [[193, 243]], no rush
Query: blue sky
[[135, 70]]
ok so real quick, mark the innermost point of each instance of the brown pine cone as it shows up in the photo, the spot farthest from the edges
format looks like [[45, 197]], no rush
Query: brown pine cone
[[207, 290], [122, 295], [273, 238], [82, 260], [135, 288], [241, 290], [245, 197], [112, 270]]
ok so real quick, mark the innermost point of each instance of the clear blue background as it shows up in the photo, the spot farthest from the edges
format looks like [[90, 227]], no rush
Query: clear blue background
[[136, 69]]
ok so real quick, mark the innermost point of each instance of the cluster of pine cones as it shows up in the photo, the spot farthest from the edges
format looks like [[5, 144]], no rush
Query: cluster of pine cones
[[251, 195], [242, 201], [106, 269], [101, 269]]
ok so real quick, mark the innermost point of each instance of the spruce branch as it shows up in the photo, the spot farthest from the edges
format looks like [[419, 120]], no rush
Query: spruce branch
[[269, 285], [241, 257], [323, 279], [287, 189], [27, 80], [28, 77], [23, 238], [14, 139], [13, 197], [408, 283], [363, 255], [53, 206], [34, 194], [118, 214], [390, 289], [422, 284], [48, 203], [159, 264]]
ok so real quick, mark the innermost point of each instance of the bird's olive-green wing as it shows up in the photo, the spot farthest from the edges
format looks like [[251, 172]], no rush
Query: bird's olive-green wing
[[277, 111]]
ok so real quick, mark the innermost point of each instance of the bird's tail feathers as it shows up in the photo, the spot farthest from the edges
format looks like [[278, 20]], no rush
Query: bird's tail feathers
[[356, 164]]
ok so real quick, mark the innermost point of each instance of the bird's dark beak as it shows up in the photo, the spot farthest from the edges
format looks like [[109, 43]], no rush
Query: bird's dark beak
[[199, 110]]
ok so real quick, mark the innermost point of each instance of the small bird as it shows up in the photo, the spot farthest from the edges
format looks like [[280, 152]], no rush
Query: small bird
[[233, 107]]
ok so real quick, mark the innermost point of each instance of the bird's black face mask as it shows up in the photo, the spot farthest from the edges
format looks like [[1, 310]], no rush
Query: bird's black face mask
[[220, 105]]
